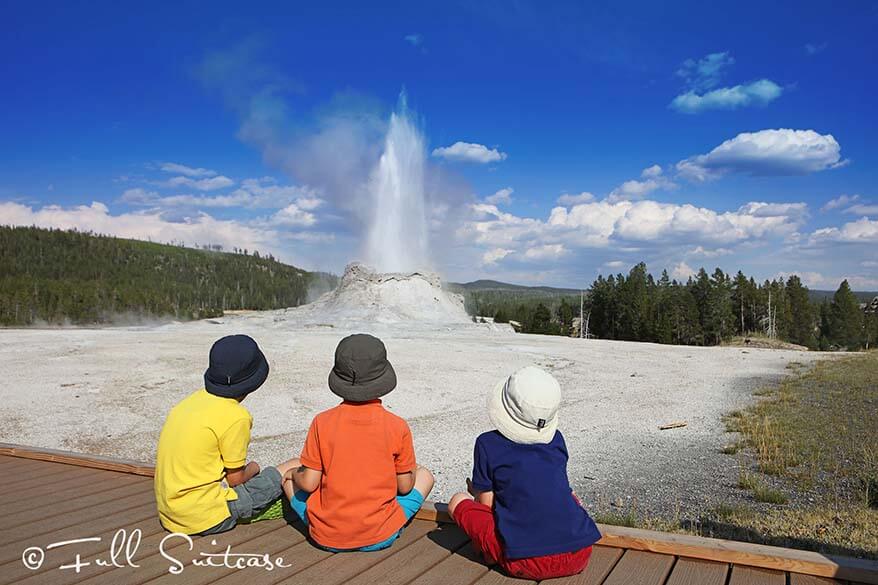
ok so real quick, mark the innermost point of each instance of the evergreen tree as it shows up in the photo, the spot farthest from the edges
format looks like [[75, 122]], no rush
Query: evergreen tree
[[801, 328], [845, 319]]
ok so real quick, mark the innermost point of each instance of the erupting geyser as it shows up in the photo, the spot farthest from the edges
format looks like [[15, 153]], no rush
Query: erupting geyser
[[397, 238], [396, 286]]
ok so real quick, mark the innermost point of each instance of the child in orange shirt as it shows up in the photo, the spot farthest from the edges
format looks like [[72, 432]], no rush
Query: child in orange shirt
[[356, 484]]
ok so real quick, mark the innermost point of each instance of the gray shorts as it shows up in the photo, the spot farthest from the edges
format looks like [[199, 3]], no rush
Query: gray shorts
[[254, 495]]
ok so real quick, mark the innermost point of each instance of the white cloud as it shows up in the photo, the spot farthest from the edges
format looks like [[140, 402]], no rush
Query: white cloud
[[840, 201], [199, 229], [469, 152], [207, 184], [706, 72], [253, 193], [682, 271], [179, 169], [863, 230], [861, 209], [767, 152], [567, 199], [545, 252], [652, 180], [414, 39], [814, 48], [757, 93], [614, 264], [621, 224], [293, 216], [503, 196], [495, 255], [708, 253]]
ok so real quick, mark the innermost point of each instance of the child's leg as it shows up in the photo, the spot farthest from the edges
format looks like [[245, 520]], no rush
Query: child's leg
[[423, 481], [477, 521]]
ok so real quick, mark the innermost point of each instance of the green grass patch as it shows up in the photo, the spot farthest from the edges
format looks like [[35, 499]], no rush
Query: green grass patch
[[763, 493], [729, 449]]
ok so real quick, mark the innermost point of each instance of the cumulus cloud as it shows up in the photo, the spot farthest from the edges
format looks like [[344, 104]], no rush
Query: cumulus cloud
[[861, 209], [863, 231], [545, 252], [179, 169], [765, 153], [651, 180], [495, 255], [567, 199], [840, 201], [293, 216], [701, 79], [757, 93], [614, 264], [603, 224], [682, 271], [503, 196], [201, 228], [469, 152], [206, 184]]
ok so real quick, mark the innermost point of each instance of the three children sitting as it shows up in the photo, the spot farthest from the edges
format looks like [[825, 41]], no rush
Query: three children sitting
[[356, 484]]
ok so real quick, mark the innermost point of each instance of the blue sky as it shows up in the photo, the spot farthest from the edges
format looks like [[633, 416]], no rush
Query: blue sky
[[563, 140]]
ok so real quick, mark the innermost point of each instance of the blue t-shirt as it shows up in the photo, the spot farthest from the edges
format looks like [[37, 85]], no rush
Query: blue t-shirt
[[534, 507]]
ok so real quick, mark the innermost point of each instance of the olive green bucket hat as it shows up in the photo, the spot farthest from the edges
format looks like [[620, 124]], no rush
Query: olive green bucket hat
[[361, 371]]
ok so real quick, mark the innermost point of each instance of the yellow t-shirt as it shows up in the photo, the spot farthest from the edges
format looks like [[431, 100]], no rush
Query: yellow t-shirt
[[203, 435]]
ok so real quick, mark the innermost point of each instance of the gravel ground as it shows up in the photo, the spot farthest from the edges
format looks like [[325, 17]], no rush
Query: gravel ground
[[107, 391]]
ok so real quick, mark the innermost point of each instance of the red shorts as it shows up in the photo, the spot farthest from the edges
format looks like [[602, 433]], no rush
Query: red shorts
[[477, 521]]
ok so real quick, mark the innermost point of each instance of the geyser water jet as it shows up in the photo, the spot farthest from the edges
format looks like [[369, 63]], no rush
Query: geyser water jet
[[397, 238]]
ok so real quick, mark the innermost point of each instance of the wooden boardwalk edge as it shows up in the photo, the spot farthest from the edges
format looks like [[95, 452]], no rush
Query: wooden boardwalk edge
[[683, 545]]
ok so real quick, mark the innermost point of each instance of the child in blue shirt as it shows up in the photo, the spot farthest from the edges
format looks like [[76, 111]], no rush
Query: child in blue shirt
[[520, 512]]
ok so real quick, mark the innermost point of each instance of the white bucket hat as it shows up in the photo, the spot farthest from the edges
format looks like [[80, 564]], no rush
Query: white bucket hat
[[524, 406]]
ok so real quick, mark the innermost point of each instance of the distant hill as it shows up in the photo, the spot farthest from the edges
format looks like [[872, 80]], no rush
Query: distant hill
[[493, 285], [69, 277], [817, 296]]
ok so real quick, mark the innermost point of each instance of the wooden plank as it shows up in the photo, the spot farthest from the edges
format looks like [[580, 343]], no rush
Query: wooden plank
[[434, 512], [602, 561], [51, 523], [463, 566], [152, 565], [273, 543], [12, 464], [70, 458], [49, 572], [84, 525], [741, 553], [112, 492], [797, 579], [43, 475], [495, 577], [698, 572], [643, 568], [342, 567], [415, 559], [755, 576], [90, 482], [299, 558]]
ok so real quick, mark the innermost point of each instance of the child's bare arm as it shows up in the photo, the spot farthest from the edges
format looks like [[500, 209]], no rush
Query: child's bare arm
[[486, 498], [240, 475], [405, 482], [304, 478]]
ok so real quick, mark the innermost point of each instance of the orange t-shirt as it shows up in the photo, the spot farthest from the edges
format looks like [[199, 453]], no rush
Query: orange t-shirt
[[359, 447]]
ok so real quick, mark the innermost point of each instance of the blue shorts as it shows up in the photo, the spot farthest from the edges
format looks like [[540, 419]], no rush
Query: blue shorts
[[410, 504]]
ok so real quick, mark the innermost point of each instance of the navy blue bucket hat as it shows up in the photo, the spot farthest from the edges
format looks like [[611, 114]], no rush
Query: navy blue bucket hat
[[237, 367]]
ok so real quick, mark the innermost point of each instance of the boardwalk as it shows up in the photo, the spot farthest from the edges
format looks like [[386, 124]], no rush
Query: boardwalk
[[107, 508]]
